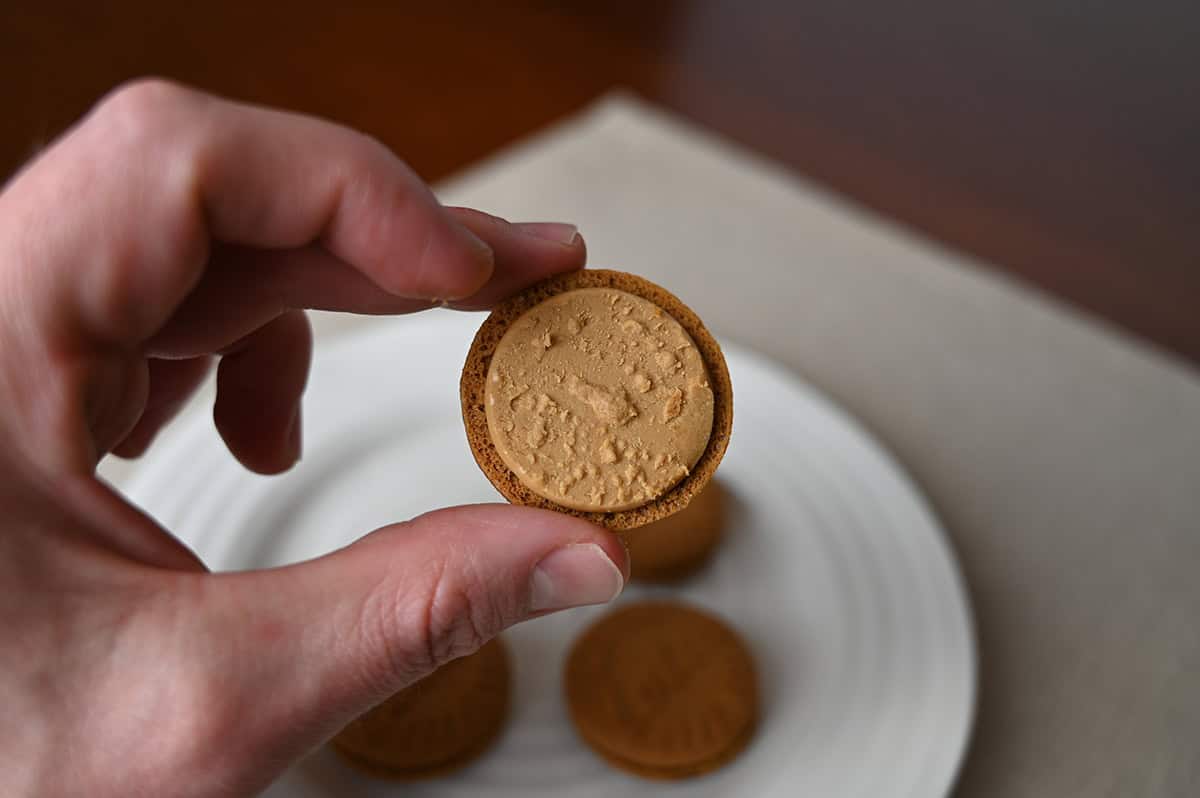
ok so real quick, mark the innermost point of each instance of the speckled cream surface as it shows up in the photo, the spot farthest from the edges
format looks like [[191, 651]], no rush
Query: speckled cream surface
[[473, 395], [598, 400]]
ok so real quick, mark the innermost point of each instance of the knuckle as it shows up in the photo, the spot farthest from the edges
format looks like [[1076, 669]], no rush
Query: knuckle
[[360, 160], [458, 616], [145, 104], [420, 627], [371, 150], [151, 118]]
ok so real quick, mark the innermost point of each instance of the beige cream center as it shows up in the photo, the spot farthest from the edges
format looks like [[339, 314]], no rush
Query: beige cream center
[[598, 400]]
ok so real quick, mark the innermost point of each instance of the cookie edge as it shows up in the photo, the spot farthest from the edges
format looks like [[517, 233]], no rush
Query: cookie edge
[[459, 759], [648, 769], [474, 378]]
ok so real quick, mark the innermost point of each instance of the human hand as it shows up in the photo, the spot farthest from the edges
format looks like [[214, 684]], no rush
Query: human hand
[[169, 227]]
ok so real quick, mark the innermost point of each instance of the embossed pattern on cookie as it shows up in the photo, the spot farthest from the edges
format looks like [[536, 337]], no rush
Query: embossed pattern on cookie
[[662, 690]]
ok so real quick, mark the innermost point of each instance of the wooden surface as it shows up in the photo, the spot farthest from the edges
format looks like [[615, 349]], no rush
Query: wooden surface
[[1061, 141], [1061, 144]]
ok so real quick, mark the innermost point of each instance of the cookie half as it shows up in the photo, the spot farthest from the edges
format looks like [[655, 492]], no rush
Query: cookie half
[[662, 690], [599, 394], [437, 725]]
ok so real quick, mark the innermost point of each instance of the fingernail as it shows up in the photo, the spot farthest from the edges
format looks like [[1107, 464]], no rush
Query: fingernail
[[558, 232], [573, 576]]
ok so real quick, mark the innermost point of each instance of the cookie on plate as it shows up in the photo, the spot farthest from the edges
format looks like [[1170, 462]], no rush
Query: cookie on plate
[[438, 724], [677, 546], [662, 690], [600, 394]]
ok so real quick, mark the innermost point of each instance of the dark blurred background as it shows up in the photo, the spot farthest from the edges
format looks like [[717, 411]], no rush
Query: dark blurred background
[[1059, 140]]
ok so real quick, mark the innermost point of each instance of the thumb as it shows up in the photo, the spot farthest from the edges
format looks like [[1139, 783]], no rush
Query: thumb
[[316, 644]]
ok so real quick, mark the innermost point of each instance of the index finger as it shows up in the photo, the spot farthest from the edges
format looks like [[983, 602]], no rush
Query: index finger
[[113, 225]]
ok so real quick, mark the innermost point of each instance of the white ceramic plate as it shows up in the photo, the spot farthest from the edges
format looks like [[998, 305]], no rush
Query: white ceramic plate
[[835, 571]]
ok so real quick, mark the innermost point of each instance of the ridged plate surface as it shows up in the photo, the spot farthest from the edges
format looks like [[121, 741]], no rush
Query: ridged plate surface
[[834, 570]]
